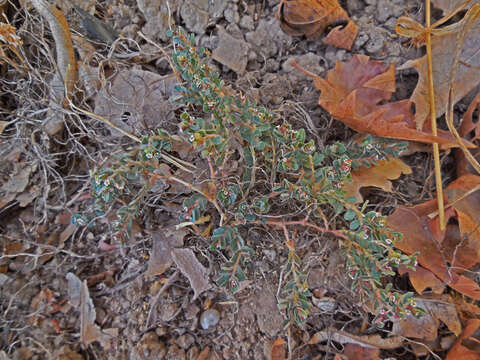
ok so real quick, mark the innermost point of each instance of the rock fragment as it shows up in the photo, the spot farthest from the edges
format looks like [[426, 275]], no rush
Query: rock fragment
[[231, 52]]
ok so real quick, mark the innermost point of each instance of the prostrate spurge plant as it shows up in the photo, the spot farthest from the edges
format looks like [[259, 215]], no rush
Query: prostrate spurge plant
[[280, 170]]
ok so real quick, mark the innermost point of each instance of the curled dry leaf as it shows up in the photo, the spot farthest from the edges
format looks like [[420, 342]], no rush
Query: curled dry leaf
[[79, 296], [278, 350], [469, 129], [138, 100], [164, 242], [446, 254], [449, 5], [352, 92], [378, 176], [368, 341], [357, 352], [423, 279], [459, 350], [312, 17], [196, 273], [426, 327], [444, 43]]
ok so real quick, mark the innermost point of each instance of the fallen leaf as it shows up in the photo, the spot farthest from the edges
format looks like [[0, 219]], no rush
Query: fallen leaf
[[195, 272], [449, 5], [342, 36], [439, 249], [467, 75], [164, 242], [74, 289], [357, 352], [426, 326], [89, 331], [312, 17], [137, 100], [458, 350], [458, 193], [378, 176], [423, 279], [278, 350], [352, 92], [204, 354], [368, 341], [469, 129], [3, 125]]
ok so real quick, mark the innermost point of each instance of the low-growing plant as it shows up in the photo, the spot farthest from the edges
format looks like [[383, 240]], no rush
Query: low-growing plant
[[279, 169]]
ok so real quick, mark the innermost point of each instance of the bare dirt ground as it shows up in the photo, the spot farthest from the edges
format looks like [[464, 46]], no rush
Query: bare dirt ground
[[45, 181]]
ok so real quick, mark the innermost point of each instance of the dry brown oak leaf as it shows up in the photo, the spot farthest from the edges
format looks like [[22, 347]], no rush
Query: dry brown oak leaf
[[446, 254], [443, 47], [469, 129], [312, 17], [437, 309], [461, 350], [449, 5], [352, 92], [378, 176]]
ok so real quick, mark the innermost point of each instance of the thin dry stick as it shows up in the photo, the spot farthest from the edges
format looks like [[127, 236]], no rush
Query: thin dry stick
[[433, 117]]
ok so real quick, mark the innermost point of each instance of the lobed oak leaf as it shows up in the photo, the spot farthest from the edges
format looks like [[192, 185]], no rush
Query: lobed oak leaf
[[444, 44], [312, 17], [378, 176], [352, 93], [469, 129], [426, 326], [446, 254], [423, 279]]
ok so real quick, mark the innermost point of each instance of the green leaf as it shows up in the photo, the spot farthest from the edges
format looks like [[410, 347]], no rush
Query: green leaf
[[349, 215], [354, 225]]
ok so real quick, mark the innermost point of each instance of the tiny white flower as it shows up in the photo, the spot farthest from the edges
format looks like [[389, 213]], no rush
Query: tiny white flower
[[107, 182]]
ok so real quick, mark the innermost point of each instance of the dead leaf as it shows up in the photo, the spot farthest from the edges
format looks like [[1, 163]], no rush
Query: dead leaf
[[89, 331], [352, 92], [439, 249], [426, 327], [368, 341], [459, 194], [378, 176], [312, 17], [449, 5], [423, 279], [458, 350], [3, 125], [469, 129], [74, 289], [196, 273], [18, 181], [357, 352], [164, 242], [342, 36], [467, 75], [137, 100], [278, 350]]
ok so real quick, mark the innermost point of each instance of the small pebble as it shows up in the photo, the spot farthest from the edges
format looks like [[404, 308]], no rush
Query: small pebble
[[209, 318]]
